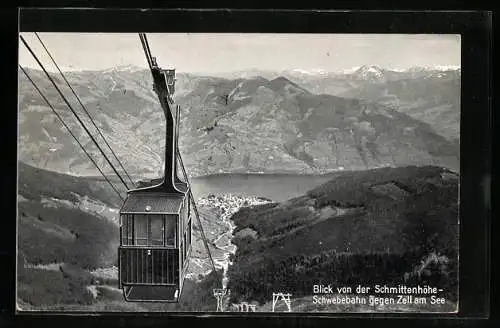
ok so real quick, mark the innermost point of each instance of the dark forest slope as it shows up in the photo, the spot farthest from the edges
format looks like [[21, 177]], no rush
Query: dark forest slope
[[369, 227]]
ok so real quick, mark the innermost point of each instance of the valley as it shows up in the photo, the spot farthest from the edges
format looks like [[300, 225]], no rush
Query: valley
[[296, 175], [288, 218], [62, 220]]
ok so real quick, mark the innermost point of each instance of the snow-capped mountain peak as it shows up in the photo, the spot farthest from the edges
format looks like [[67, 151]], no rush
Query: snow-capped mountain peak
[[124, 68], [447, 67], [311, 71], [370, 72], [433, 68]]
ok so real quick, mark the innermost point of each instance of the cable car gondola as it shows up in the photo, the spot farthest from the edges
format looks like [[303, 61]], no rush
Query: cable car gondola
[[155, 221]]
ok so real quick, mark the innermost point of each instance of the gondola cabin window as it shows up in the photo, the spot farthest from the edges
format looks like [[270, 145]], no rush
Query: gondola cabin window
[[157, 227], [182, 254], [141, 225], [185, 244], [127, 229], [148, 230], [170, 231]]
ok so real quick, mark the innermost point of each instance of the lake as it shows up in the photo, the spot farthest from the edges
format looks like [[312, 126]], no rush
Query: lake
[[277, 187]]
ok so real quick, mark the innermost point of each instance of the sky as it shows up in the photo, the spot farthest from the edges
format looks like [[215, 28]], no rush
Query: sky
[[220, 53]]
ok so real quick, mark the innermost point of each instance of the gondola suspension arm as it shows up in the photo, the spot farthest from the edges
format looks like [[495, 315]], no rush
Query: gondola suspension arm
[[152, 65]]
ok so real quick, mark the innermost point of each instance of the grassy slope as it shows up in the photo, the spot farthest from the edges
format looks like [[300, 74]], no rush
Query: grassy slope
[[63, 234], [35, 182], [361, 227]]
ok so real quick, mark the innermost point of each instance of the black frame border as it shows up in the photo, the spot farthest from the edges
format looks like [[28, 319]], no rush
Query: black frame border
[[475, 27]]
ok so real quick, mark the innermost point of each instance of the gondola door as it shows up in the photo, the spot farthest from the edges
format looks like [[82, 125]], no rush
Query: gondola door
[[148, 257], [143, 238], [149, 233]]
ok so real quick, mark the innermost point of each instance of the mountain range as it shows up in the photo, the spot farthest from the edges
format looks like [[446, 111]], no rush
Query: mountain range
[[287, 122], [292, 122]]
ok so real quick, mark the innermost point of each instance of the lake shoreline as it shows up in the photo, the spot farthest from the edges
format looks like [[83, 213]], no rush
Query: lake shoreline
[[283, 174]]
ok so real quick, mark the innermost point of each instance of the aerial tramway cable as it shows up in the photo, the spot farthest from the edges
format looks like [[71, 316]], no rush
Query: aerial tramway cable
[[147, 52], [196, 214], [85, 109], [69, 130], [72, 110]]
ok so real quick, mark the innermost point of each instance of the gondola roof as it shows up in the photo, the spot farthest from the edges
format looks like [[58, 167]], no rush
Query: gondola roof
[[151, 203]]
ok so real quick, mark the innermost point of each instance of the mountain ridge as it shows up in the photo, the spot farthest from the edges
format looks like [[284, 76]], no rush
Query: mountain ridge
[[235, 125]]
